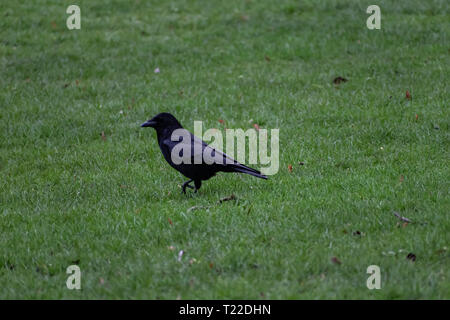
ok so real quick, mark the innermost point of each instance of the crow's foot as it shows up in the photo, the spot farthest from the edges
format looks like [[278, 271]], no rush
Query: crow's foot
[[186, 184]]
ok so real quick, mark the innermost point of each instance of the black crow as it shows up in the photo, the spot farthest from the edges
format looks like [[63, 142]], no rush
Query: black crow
[[165, 124]]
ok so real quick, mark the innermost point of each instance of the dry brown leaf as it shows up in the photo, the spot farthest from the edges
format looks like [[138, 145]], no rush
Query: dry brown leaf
[[339, 80], [408, 95], [336, 260]]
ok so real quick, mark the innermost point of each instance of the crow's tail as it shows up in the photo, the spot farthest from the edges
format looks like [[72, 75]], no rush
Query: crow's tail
[[244, 169]]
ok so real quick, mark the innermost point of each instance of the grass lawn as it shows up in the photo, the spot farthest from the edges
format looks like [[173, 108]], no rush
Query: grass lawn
[[111, 204]]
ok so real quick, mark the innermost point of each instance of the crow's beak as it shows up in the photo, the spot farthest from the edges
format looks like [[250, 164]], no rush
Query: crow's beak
[[149, 123]]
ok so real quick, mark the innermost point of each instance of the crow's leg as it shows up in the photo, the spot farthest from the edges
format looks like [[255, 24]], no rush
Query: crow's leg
[[186, 184], [198, 184]]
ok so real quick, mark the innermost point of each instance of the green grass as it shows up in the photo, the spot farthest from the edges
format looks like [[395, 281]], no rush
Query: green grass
[[68, 196]]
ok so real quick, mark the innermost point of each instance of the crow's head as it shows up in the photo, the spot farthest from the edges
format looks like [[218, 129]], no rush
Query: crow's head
[[161, 121]]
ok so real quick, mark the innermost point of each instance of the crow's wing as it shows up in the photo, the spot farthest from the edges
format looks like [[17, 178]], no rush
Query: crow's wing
[[202, 153], [199, 150]]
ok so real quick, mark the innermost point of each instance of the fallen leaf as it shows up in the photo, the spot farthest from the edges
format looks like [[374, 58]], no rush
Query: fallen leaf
[[401, 179], [244, 18], [170, 221], [411, 256], [408, 95], [290, 168], [339, 80], [404, 224], [417, 117], [103, 136], [211, 265], [336, 260]]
